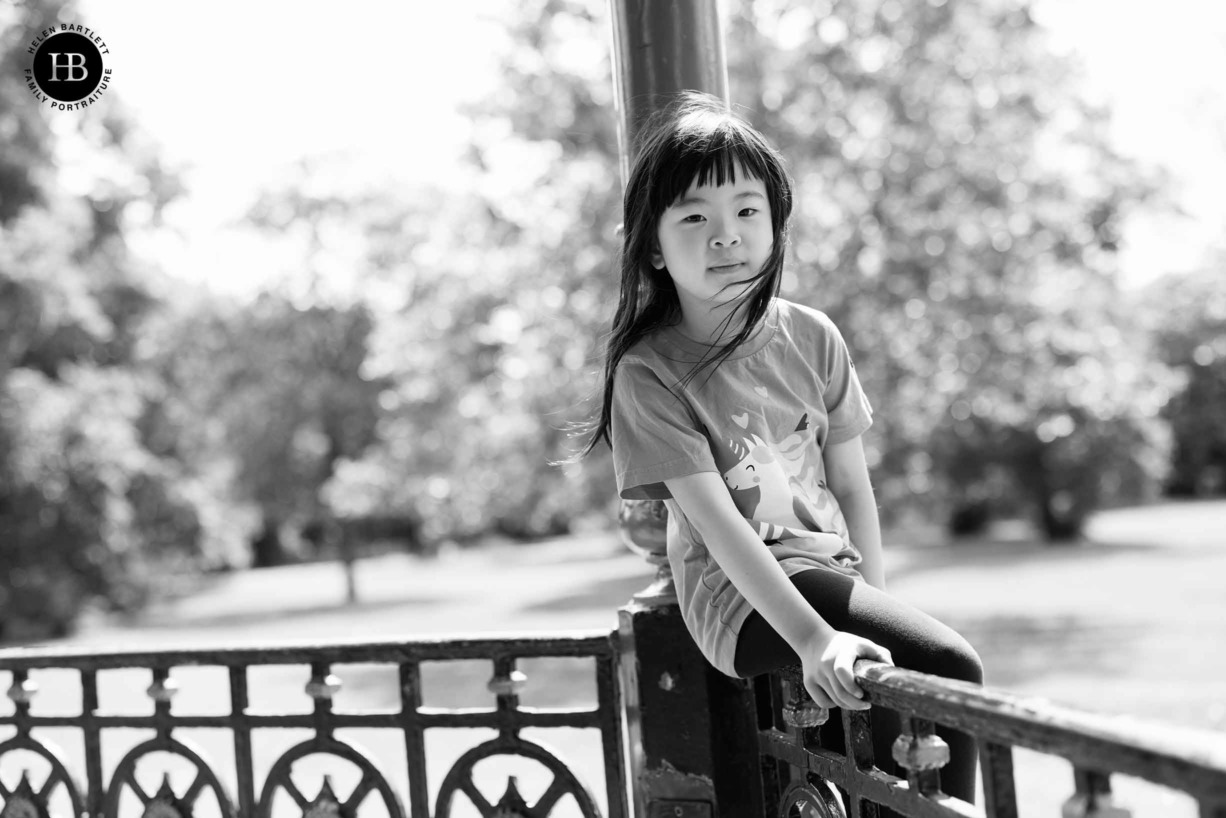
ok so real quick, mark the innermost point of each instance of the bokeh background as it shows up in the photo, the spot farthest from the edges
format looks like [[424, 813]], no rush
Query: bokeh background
[[313, 284], [306, 282]]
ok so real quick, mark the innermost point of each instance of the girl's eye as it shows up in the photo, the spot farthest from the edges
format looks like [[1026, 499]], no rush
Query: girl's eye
[[693, 219], [749, 211]]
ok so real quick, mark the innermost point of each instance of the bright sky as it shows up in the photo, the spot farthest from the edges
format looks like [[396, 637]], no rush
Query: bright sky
[[1160, 69], [237, 91]]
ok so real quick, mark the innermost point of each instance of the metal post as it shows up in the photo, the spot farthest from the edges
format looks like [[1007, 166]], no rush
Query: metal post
[[661, 47], [692, 731]]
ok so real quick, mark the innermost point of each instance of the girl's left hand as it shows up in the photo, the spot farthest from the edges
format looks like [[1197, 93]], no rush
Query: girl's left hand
[[829, 669]]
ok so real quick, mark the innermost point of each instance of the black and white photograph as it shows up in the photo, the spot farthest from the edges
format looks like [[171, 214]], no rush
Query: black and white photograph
[[612, 409]]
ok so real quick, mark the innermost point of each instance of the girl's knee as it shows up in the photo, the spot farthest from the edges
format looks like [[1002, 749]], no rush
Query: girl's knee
[[961, 661], [949, 656]]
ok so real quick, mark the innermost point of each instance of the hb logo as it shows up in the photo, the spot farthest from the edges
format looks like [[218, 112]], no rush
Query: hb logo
[[72, 62], [68, 67]]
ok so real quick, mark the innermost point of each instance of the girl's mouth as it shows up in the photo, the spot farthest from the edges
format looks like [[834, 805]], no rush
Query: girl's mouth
[[726, 268]]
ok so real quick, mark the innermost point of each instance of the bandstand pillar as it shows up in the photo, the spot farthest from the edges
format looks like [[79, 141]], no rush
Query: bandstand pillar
[[661, 47]]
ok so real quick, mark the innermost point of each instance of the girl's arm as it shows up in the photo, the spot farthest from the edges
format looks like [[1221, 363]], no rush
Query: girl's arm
[[847, 477], [826, 655]]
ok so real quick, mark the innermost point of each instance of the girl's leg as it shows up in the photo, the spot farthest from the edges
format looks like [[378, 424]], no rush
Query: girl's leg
[[915, 640]]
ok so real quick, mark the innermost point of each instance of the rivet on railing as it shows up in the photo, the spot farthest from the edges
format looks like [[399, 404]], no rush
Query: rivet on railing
[[163, 690], [323, 687], [802, 711], [509, 685], [920, 750], [23, 690], [922, 754]]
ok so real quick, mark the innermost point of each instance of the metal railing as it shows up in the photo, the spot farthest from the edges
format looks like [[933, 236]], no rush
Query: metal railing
[[793, 760], [1193, 762], [105, 791]]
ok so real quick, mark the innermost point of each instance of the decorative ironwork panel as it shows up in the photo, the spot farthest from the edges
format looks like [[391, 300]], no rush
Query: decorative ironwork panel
[[512, 804], [328, 794], [327, 802], [812, 799], [165, 802], [28, 800]]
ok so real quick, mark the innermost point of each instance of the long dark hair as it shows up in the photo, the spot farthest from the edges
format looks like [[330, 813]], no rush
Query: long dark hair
[[695, 139]]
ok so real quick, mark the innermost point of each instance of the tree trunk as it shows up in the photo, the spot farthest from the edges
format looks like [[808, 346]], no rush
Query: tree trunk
[[267, 550]]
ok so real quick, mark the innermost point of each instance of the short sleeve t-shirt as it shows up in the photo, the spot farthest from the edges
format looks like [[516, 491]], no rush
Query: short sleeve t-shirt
[[760, 419]]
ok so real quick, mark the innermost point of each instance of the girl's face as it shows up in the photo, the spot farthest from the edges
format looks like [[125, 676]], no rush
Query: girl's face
[[712, 237]]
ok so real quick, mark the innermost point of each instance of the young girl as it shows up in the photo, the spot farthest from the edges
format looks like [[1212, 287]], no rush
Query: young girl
[[743, 412]]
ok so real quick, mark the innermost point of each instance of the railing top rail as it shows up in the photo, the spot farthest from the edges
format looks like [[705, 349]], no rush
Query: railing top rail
[[415, 648], [1190, 759]]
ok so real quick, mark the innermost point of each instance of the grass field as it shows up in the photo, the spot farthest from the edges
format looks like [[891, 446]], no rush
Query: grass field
[[1131, 622]]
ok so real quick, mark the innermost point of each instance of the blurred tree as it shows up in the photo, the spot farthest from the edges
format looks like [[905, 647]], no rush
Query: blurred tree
[[959, 208], [1187, 315], [486, 296], [508, 316], [511, 288], [86, 511], [24, 133], [272, 395]]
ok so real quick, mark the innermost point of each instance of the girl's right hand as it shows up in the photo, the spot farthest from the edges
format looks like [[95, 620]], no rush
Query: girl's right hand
[[827, 667]]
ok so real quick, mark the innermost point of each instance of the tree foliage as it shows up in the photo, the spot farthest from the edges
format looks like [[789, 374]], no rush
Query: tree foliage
[[87, 511], [265, 399], [959, 210], [484, 313], [1187, 316]]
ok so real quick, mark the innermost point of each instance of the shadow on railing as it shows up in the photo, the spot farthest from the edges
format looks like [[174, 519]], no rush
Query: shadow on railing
[[125, 789], [795, 764]]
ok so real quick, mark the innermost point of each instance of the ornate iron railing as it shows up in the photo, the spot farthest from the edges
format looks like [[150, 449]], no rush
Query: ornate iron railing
[[789, 741], [105, 792], [795, 763]]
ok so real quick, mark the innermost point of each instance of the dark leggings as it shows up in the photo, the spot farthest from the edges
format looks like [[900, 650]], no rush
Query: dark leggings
[[915, 640]]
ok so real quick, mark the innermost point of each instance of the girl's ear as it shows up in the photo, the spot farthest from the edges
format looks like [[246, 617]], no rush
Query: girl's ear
[[657, 258]]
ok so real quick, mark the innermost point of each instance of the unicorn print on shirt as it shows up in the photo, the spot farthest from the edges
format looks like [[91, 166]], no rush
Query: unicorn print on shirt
[[792, 499]]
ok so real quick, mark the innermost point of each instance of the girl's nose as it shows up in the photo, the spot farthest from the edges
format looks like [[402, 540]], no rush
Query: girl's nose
[[724, 237]]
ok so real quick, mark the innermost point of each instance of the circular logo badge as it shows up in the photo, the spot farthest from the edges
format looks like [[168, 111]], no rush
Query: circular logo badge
[[68, 67], [67, 71]]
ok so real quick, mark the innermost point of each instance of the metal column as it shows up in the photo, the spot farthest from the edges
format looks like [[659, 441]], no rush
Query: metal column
[[661, 47]]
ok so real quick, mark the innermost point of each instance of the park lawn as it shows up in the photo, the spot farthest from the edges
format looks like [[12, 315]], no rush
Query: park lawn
[[1126, 625]]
